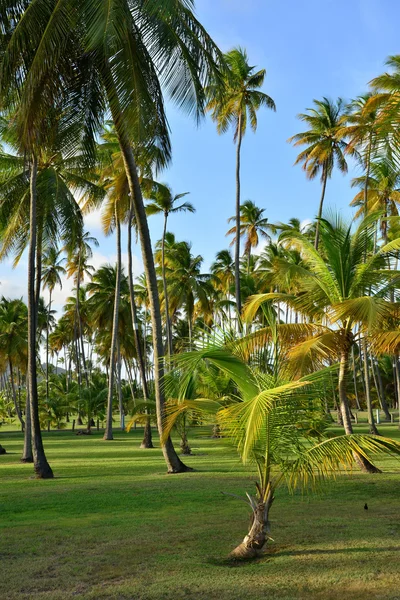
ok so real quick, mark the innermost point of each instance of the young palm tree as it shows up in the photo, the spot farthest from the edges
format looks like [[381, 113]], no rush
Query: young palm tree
[[339, 291], [236, 101], [277, 424], [162, 200], [324, 146], [253, 225]]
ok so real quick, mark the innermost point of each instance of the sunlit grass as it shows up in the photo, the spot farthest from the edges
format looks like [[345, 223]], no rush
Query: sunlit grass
[[112, 524]]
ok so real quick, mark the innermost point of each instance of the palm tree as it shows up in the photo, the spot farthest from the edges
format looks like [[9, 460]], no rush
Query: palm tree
[[186, 283], [51, 276], [253, 225], [162, 200], [275, 422], [236, 101], [13, 342], [339, 291], [325, 147], [383, 192], [102, 73]]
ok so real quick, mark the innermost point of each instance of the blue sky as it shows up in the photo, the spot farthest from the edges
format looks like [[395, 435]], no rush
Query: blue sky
[[310, 49]]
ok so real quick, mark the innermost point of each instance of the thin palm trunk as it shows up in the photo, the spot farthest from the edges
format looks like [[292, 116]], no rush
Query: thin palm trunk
[[353, 362], [47, 348], [27, 455], [372, 427], [379, 388], [174, 464], [14, 394], [108, 434], [147, 438], [258, 534], [119, 386], [237, 216], [321, 205], [41, 466], [166, 302]]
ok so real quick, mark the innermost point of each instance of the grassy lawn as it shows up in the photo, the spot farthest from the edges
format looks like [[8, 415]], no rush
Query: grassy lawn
[[112, 524]]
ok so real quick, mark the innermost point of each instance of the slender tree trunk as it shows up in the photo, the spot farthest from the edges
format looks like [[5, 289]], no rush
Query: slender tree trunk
[[41, 466], [47, 348], [119, 384], [372, 427], [174, 464], [14, 394], [380, 389], [258, 535], [166, 302], [147, 439], [353, 362], [108, 434], [27, 456], [237, 217], [321, 205]]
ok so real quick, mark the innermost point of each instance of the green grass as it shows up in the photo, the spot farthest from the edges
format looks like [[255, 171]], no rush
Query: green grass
[[113, 525]]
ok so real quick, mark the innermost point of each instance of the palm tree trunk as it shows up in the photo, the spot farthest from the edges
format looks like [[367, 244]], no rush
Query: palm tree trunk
[[41, 466], [27, 456], [14, 395], [321, 205], [257, 537], [174, 464], [119, 386], [47, 348], [379, 388], [147, 439], [372, 427], [353, 362], [167, 317], [237, 217], [108, 434], [344, 403]]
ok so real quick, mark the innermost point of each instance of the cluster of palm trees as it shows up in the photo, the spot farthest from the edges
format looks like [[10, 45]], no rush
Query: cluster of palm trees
[[83, 126]]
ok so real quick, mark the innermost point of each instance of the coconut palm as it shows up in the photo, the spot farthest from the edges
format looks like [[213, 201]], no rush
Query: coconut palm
[[340, 291], [13, 342], [235, 101], [253, 226], [277, 424], [100, 72], [51, 276], [164, 201], [324, 146]]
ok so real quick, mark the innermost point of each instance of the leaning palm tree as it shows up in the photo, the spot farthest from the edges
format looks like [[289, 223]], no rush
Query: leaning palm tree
[[163, 201], [253, 226], [235, 101], [340, 292], [324, 146], [87, 61], [277, 424]]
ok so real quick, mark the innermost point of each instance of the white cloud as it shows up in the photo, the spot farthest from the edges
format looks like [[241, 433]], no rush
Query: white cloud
[[92, 220]]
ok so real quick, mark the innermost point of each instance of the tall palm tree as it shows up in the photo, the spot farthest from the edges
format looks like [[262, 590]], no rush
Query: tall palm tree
[[13, 342], [164, 201], [100, 72], [253, 226], [236, 101], [324, 146], [340, 292], [51, 276]]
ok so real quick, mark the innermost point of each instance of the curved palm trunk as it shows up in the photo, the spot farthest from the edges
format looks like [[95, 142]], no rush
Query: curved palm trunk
[[379, 388], [258, 534], [174, 464], [164, 279], [14, 394], [147, 439], [321, 205], [41, 466], [27, 456], [237, 216], [108, 434]]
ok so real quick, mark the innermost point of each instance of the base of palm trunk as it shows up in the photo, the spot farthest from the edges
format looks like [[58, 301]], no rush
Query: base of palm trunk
[[108, 436], [365, 465], [43, 471], [27, 459], [147, 437], [185, 448], [254, 542], [179, 468]]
